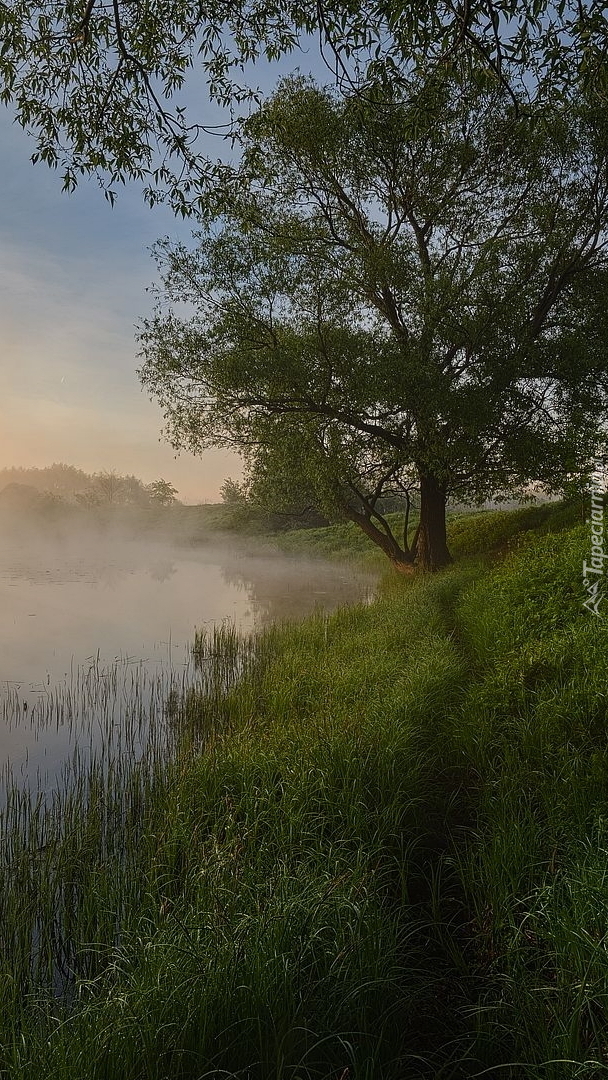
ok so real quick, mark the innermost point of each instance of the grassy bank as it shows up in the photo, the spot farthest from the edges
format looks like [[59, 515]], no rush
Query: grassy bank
[[379, 852], [482, 533]]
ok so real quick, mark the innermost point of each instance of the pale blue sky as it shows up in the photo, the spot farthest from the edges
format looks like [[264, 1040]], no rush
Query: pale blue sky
[[73, 275]]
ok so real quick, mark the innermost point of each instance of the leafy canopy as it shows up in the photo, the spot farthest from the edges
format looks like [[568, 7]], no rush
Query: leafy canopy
[[395, 296], [103, 85], [428, 291]]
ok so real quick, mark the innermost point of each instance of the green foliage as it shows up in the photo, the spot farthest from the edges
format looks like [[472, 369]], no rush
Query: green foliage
[[100, 85], [371, 308], [161, 491]]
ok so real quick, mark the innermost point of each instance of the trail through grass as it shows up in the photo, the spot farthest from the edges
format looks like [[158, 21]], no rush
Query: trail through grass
[[376, 849]]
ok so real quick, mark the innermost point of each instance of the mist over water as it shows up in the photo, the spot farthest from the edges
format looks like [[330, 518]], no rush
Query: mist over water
[[97, 627]]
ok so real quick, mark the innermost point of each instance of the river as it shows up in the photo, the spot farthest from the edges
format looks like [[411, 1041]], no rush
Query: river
[[96, 633]]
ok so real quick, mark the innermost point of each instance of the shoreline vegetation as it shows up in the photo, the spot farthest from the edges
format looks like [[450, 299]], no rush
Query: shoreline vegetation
[[377, 848]]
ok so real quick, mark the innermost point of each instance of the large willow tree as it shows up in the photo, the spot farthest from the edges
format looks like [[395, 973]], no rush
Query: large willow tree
[[411, 285]]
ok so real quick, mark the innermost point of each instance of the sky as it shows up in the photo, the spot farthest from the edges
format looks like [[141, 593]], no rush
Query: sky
[[73, 277]]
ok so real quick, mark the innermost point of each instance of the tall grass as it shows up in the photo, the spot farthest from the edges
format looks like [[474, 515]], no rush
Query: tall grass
[[533, 724], [369, 845], [245, 909]]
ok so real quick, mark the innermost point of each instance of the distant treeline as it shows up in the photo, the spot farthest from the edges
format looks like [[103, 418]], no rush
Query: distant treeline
[[66, 483]]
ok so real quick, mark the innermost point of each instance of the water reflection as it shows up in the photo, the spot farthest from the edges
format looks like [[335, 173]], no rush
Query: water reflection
[[162, 571], [282, 588], [93, 637]]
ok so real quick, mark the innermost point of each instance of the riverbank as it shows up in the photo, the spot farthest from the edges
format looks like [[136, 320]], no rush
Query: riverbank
[[388, 861]]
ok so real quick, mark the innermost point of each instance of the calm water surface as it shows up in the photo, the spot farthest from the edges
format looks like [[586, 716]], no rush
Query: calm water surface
[[95, 635]]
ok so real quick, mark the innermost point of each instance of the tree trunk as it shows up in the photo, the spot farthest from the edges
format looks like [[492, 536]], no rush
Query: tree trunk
[[431, 543], [403, 561]]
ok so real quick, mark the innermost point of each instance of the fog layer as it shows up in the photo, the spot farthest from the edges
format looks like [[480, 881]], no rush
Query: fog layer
[[101, 593]]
